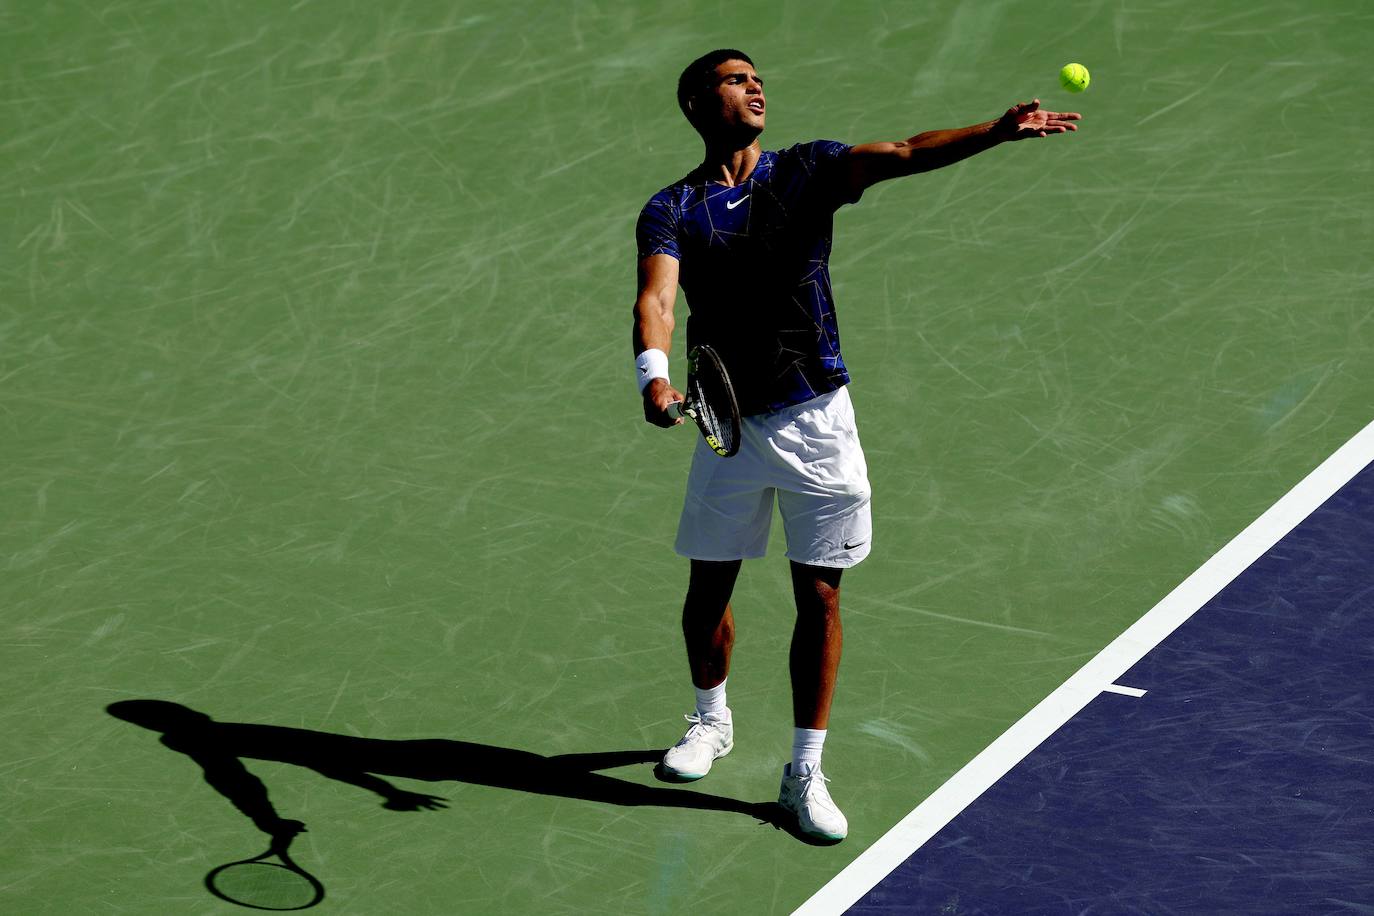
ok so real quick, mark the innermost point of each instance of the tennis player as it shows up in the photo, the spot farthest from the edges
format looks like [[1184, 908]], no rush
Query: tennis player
[[747, 235]]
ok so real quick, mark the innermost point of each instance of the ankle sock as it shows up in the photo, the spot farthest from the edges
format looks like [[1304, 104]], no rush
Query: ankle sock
[[711, 700], [806, 749]]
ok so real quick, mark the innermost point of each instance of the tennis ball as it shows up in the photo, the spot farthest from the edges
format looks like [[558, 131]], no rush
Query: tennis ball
[[1074, 77]]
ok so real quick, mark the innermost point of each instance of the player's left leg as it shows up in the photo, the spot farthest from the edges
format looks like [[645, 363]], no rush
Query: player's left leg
[[823, 494], [817, 640]]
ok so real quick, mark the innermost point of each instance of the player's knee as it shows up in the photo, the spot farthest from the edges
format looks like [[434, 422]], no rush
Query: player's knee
[[702, 629], [704, 611], [818, 607], [817, 589]]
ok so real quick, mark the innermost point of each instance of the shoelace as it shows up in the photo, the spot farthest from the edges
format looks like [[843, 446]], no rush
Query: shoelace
[[699, 725], [813, 782]]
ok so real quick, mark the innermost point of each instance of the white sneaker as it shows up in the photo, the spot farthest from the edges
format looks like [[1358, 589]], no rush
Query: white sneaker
[[809, 799], [710, 736]]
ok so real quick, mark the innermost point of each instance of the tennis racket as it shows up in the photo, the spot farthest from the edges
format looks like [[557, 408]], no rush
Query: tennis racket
[[710, 401], [263, 884]]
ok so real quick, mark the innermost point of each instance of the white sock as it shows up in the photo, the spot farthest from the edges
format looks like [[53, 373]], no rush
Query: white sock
[[806, 749], [711, 700]]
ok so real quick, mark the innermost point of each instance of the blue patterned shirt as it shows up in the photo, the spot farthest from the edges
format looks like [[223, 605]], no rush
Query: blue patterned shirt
[[754, 264]]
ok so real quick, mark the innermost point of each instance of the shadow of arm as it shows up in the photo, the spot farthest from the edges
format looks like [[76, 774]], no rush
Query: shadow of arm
[[394, 799], [230, 778]]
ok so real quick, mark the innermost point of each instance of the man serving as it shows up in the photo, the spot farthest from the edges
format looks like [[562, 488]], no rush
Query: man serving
[[747, 235]]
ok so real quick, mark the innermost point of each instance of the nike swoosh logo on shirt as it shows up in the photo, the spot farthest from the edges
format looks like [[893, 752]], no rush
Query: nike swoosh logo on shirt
[[732, 204]]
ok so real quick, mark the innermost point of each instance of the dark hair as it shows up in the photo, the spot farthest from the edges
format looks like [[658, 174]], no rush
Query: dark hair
[[701, 72]]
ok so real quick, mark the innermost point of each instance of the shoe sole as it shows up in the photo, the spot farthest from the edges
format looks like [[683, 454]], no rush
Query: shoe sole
[[693, 777], [817, 834]]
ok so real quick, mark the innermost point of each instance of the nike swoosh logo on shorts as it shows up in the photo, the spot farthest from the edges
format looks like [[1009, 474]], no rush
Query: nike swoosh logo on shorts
[[732, 204], [850, 545]]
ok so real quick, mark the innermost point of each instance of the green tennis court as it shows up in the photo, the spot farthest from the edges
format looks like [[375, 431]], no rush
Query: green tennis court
[[317, 412]]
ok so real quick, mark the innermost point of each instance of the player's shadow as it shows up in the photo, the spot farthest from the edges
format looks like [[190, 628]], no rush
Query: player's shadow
[[220, 747]]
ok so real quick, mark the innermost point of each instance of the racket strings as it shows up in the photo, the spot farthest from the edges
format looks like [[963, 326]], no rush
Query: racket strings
[[709, 393], [711, 401]]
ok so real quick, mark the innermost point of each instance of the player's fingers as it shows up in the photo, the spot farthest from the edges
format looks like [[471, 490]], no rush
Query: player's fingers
[[673, 396], [661, 419]]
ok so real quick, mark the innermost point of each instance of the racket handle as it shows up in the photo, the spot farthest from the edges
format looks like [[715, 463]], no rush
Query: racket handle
[[674, 410]]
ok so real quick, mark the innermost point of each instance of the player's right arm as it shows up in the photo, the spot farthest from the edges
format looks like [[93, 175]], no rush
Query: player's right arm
[[653, 329]]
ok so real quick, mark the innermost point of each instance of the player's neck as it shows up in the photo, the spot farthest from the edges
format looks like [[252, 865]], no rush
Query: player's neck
[[728, 164]]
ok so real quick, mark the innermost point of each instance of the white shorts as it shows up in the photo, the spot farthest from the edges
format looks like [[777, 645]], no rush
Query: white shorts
[[809, 455]]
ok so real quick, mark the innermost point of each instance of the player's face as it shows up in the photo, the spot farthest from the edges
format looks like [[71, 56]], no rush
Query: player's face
[[738, 97]]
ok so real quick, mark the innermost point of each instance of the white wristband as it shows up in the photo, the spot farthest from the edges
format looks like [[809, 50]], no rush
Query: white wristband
[[649, 365]]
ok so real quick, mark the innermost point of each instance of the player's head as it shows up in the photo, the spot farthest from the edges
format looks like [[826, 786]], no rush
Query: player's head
[[158, 715], [722, 95]]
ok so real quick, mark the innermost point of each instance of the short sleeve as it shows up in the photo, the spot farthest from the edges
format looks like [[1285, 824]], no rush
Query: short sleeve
[[656, 231], [826, 161]]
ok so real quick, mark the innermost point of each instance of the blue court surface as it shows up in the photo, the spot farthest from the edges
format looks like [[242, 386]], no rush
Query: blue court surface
[[1239, 781]]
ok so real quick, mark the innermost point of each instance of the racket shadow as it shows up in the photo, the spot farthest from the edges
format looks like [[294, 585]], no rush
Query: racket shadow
[[270, 881], [221, 747]]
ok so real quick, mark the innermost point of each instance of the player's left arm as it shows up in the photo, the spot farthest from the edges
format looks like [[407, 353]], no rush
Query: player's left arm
[[870, 163]]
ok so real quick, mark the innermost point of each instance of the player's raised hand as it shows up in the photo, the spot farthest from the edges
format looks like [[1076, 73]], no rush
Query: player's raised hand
[[1025, 120], [658, 394]]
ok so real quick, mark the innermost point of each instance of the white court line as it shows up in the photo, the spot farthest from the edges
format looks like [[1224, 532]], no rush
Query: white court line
[[1124, 690], [912, 831]]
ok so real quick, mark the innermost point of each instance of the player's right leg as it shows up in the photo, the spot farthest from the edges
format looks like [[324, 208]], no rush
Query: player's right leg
[[708, 627], [725, 519]]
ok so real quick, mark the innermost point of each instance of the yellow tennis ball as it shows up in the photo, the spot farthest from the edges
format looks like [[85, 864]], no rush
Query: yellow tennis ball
[[1074, 77]]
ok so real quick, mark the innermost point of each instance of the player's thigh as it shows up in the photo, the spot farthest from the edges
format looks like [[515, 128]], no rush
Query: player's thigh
[[825, 502], [727, 510], [833, 530]]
